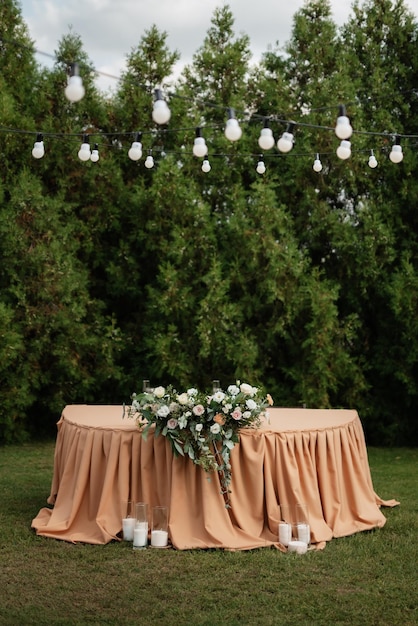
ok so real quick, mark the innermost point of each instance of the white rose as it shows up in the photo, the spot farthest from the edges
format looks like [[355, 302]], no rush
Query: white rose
[[214, 429], [198, 427], [183, 398], [250, 404], [247, 390], [159, 392], [246, 415], [163, 411]]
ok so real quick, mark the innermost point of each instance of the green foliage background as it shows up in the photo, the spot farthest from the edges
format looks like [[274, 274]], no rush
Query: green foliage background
[[305, 283]]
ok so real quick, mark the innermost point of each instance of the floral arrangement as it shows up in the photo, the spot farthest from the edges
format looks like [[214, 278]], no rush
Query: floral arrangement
[[204, 427]]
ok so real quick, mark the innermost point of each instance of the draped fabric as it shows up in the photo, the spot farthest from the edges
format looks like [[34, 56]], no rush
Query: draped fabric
[[317, 457]]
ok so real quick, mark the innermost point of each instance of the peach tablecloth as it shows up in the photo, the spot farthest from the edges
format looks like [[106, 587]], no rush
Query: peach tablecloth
[[317, 457]]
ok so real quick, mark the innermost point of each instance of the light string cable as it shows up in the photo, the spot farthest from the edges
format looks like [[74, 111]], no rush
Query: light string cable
[[232, 127]]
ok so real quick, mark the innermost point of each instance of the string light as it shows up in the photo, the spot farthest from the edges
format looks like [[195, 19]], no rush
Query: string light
[[285, 143], [135, 151], [38, 150], [149, 161], [74, 90], [261, 168], [206, 166], [95, 153], [266, 139], [233, 130], [372, 160], [343, 128], [200, 148], [160, 113], [84, 153], [317, 165], [344, 150], [396, 154]]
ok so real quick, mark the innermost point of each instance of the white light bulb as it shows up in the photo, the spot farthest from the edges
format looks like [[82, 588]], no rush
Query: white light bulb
[[266, 139], [74, 90], [261, 168], [84, 153], [38, 150], [206, 166], [95, 154], [344, 150], [233, 130], [149, 162], [135, 151], [200, 148], [285, 143], [372, 161], [343, 128], [317, 165], [396, 154], [161, 113]]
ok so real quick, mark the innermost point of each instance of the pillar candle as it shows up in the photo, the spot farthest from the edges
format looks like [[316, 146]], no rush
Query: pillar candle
[[159, 538], [128, 525], [285, 533]]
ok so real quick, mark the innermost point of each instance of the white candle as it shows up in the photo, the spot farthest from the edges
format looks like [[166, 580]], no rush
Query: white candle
[[300, 547], [128, 525], [285, 533], [159, 538], [141, 535], [304, 533]]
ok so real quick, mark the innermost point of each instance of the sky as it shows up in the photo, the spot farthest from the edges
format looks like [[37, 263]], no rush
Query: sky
[[110, 29]]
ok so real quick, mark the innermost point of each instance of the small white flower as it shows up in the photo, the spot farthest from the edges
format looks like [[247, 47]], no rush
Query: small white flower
[[199, 427], [215, 429], [250, 404], [247, 390], [218, 396], [159, 392], [192, 391], [246, 415], [183, 398], [233, 390], [163, 411], [227, 408]]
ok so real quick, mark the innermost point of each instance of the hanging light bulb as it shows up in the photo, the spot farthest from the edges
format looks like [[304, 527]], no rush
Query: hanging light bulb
[[84, 153], [74, 90], [372, 160], [285, 143], [206, 166], [135, 151], [261, 168], [317, 165], [95, 153], [396, 154], [149, 161], [200, 148], [266, 139], [344, 150], [343, 128], [160, 113], [233, 130], [38, 150]]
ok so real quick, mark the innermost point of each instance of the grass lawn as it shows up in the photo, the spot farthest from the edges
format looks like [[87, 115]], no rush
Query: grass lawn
[[367, 579]]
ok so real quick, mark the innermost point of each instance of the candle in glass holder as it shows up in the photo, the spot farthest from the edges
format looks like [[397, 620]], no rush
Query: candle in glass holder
[[285, 533], [128, 526], [159, 538], [159, 532], [141, 535], [304, 533]]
